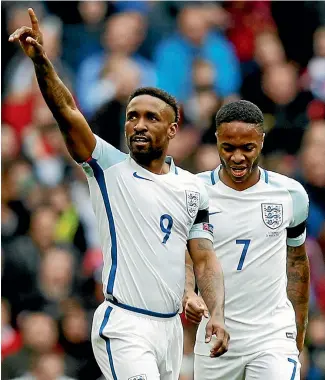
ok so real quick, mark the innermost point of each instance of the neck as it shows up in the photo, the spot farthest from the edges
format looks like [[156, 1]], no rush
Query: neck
[[156, 166], [240, 186]]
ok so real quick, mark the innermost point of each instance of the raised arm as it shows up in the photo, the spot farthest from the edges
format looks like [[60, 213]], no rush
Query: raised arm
[[209, 278], [79, 138], [298, 288]]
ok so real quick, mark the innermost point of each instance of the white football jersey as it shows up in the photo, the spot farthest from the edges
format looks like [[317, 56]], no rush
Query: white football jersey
[[250, 240], [144, 222]]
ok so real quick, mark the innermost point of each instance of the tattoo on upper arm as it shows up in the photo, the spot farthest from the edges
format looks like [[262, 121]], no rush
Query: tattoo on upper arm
[[204, 244]]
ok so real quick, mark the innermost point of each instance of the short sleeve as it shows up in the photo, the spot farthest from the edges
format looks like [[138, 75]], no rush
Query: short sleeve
[[201, 227], [105, 156], [300, 206]]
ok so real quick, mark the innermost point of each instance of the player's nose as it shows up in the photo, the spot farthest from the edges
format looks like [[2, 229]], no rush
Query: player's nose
[[140, 126], [237, 157]]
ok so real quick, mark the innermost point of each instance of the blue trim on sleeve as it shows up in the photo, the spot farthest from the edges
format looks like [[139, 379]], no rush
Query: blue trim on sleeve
[[107, 341], [141, 311], [100, 178], [213, 181]]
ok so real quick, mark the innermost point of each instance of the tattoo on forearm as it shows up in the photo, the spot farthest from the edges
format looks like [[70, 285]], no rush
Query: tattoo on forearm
[[211, 286], [55, 93], [298, 283]]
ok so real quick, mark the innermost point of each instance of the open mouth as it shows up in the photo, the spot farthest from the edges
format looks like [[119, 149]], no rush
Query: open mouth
[[239, 171], [140, 140]]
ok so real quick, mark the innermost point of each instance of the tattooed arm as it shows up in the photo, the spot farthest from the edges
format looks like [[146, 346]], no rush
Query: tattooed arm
[[79, 138], [298, 288], [209, 278]]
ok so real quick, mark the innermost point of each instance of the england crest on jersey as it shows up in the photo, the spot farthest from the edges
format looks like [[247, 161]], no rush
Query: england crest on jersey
[[192, 202], [272, 215], [138, 377]]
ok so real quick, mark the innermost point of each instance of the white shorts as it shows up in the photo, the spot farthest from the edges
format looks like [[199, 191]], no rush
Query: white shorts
[[133, 346], [266, 365]]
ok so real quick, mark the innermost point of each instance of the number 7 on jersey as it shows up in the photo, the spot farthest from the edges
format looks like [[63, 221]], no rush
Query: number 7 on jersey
[[246, 244]]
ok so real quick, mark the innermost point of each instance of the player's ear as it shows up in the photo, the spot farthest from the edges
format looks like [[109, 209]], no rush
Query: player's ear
[[172, 130], [262, 141]]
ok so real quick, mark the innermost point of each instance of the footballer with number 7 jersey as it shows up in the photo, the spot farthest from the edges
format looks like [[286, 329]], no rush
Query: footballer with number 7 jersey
[[260, 231]]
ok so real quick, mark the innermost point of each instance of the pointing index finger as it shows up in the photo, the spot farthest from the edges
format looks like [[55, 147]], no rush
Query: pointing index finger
[[33, 19]]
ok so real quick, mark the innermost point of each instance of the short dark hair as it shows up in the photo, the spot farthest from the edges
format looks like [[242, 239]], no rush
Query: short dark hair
[[160, 94], [240, 110]]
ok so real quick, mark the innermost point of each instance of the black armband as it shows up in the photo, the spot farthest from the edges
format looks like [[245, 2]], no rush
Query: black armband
[[294, 232], [202, 216]]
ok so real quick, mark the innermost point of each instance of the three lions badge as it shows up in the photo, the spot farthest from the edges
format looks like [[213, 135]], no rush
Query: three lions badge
[[272, 215], [192, 202]]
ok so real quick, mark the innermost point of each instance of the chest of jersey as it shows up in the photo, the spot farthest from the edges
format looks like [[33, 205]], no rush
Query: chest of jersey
[[163, 207], [249, 227]]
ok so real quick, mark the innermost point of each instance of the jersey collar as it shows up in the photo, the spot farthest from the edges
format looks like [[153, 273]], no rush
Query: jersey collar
[[214, 175]]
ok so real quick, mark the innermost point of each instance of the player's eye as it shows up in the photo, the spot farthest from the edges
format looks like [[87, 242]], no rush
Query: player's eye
[[152, 116], [228, 148], [249, 148], [131, 117]]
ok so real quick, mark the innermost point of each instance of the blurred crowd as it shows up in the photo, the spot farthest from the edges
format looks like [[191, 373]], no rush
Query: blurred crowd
[[203, 53]]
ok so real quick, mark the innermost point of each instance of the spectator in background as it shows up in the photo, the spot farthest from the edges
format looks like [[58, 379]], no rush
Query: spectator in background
[[69, 228], [56, 282], [83, 39], [268, 52], [124, 33], [199, 112], [22, 259], [174, 56], [39, 336], [20, 91], [15, 216], [9, 144], [10, 337], [312, 176], [316, 66], [46, 366], [247, 19], [74, 339], [280, 85], [108, 121]]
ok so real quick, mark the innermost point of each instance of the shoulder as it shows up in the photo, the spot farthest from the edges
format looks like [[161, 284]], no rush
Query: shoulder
[[206, 177], [291, 185], [189, 177], [299, 196]]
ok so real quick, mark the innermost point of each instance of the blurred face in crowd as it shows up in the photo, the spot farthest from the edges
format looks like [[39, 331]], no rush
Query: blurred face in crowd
[[59, 199], [49, 367], [92, 12], [42, 227], [56, 273], [193, 24], [5, 312], [239, 145], [9, 143], [268, 50], [319, 42], [150, 125], [203, 75], [313, 153], [280, 83], [39, 332], [75, 326], [124, 33]]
